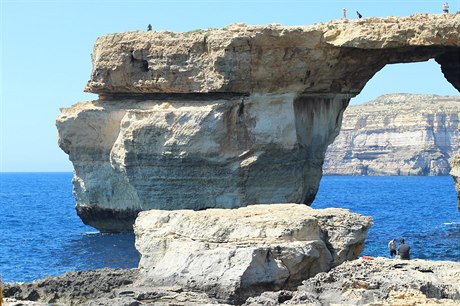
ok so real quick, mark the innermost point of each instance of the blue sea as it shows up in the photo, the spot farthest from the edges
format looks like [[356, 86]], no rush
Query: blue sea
[[40, 233]]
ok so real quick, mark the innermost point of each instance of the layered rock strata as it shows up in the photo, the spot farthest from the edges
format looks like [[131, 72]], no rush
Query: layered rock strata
[[228, 117], [397, 134], [229, 152], [233, 254]]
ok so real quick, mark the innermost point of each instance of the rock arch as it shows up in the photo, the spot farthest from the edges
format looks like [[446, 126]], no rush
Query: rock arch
[[172, 133]]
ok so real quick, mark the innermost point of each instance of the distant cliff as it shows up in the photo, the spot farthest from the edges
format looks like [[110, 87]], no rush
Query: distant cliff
[[397, 134]]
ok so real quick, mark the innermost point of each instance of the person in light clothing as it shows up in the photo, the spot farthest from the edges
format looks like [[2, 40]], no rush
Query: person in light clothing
[[445, 8], [392, 247]]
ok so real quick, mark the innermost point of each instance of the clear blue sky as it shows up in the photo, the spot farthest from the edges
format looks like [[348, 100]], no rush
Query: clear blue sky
[[46, 47]]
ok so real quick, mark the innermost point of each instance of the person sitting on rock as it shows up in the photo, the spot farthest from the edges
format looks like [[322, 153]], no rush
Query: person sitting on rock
[[392, 247], [359, 15], [403, 250]]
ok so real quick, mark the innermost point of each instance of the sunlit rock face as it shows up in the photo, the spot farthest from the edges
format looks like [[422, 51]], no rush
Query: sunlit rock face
[[233, 254], [336, 57], [195, 154], [396, 134], [228, 117]]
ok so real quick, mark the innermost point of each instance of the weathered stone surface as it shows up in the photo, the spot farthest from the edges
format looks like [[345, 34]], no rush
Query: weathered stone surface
[[359, 282], [233, 254], [335, 57], [228, 117], [396, 134], [133, 155], [72, 288], [376, 282]]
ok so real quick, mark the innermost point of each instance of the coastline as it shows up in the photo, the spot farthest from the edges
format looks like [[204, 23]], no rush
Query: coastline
[[377, 281]]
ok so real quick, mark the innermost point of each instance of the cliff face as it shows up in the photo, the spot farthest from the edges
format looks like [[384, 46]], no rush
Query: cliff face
[[228, 117], [397, 134]]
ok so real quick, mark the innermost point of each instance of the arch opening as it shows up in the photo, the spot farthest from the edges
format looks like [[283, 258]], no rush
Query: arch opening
[[417, 208]]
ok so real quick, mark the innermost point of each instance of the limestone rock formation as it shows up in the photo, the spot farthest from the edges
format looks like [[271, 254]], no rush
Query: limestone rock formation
[[359, 282], [396, 134], [375, 282], [228, 117], [131, 156], [337, 57], [233, 254], [455, 172]]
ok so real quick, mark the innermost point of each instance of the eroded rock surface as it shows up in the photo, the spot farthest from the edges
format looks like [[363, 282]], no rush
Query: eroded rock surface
[[359, 282], [72, 288], [335, 57], [131, 156], [396, 134], [228, 117], [455, 172], [233, 254], [375, 282]]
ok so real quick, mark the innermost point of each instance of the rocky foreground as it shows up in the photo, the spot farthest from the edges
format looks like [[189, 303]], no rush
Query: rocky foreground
[[359, 282], [396, 134], [258, 255]]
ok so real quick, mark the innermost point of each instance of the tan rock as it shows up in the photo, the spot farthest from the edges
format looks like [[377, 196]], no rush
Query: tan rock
[[396, 134], [336, 57], [376, 282], [131, 156], [241, 252], [228, 117]]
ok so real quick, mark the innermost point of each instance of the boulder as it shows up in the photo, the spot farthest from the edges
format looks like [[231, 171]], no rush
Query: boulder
[[233, 254]]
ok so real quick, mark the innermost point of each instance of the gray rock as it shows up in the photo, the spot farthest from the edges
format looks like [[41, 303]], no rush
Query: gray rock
[[72, 288], [377, 282]]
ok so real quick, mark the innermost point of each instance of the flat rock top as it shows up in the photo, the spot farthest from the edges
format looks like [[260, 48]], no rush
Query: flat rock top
[[367, 33], [268, 58], [410, 103], [274, 222]]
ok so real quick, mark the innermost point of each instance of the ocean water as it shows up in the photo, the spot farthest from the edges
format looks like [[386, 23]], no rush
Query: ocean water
[[422, 210], [40, 233]]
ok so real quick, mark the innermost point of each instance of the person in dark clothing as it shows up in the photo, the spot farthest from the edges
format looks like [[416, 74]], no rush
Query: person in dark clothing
[[359, 15], [403, 250], [149, 27]]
